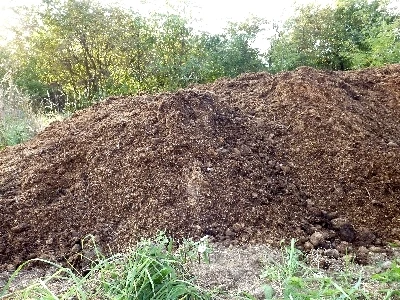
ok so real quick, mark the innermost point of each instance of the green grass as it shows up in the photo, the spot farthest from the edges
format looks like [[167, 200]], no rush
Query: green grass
[[293, 278], [152, 270], [390, 277], [155, 269]]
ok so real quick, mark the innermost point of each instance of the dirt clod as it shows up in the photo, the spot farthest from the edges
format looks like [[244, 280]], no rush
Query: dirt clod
[[333, 253], [284, 155], [347, 233], [317, 238]]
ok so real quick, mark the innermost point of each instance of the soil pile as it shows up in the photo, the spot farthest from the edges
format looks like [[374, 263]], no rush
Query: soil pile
[[307, 154]]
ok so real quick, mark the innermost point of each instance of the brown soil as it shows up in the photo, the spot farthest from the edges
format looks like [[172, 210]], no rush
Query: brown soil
[[307, 154]]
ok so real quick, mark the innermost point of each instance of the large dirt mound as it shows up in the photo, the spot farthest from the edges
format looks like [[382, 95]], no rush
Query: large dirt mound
[[256, 158]]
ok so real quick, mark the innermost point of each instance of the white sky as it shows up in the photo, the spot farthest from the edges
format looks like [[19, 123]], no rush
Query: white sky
[[212, 15]]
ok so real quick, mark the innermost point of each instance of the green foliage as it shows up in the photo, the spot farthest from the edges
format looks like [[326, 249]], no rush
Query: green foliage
[[353, 34], [70, 53], [237, 55], [152, 270], [76, 49]]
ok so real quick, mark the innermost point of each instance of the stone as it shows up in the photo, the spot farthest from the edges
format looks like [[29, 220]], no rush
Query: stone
[[229, 233], [237, 227], [334, 253], [10, 268], [316, 238], [236, 152], [245, 150], [76, 248], [376, 249], [244, 238], [332, 215], [347, 233], [308, 246], [362, 255], [315, 211], [310, 203], [395, 232], [302, 239], [19, 228], [386, 265], [285, 169], [344, 247], [365, 237], [259, 293]]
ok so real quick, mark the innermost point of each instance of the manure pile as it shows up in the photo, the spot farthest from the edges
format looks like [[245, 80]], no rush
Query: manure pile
[[248, 160]]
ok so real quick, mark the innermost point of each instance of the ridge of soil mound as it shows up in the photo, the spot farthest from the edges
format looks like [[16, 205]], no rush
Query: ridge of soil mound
[[308, 154]]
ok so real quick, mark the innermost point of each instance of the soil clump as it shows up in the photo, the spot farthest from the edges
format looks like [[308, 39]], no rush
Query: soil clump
[[308, 154]]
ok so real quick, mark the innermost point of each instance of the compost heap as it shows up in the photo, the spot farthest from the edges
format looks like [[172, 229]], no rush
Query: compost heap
[[248, 160]]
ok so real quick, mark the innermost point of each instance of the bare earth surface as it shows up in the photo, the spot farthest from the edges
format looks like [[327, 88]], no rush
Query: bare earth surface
[[307, 154]]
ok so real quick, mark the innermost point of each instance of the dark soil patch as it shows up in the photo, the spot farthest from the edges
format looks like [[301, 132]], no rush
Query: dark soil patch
[[253, 159]]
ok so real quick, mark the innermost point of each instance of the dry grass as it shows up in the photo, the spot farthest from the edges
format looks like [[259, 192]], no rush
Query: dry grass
[[18, 121]]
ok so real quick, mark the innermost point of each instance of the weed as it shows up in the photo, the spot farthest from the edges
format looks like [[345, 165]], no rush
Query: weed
[[391, 277]]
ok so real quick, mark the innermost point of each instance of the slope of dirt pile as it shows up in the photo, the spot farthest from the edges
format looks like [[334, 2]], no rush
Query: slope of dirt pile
[[307, 154]]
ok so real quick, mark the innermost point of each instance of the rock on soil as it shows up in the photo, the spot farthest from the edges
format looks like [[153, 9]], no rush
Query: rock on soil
[[255, 159]]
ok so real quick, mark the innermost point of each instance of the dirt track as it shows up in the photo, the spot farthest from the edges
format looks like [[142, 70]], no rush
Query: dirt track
[[254, 159]]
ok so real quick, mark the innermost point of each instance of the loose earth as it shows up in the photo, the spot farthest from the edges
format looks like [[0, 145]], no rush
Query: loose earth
[[309, 154]]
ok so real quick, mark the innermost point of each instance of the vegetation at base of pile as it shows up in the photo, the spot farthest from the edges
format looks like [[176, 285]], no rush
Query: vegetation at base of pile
[[156, 269], [152, 270], [293, 278]]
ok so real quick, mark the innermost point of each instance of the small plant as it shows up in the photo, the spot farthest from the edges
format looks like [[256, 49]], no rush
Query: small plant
[[390, 276], [190, 250]]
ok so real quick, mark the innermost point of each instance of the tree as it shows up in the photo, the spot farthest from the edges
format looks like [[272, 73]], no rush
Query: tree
[[231, 53], [337, 38], [76, 46], [74, 52]]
